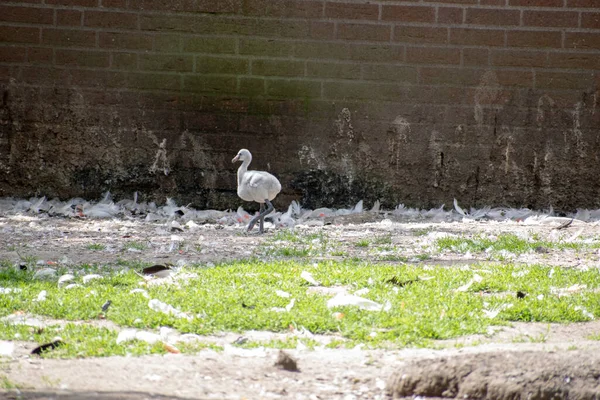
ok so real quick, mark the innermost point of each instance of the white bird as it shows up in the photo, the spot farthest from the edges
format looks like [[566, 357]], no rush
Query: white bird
[[258, 186]]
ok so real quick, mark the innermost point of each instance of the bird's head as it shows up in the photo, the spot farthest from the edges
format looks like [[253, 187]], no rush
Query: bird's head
[[242, 155]]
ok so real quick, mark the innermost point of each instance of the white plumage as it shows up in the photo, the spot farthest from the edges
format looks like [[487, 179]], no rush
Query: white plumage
[[258, 186]]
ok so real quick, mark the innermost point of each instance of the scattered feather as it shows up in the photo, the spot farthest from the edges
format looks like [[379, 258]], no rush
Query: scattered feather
[[307, 276], [352, 300]]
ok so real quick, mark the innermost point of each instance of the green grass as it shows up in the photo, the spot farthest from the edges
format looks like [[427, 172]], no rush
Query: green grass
[[7, 384], [240, 296], [135, 245], [383, 240], [507, 242], [96, 246], [292, 244], [363, 243]]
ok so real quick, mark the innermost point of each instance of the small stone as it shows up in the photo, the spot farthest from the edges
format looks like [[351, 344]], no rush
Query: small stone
[[65, 278], [45, 273], [541, 250], [286, 362], [91, 277]]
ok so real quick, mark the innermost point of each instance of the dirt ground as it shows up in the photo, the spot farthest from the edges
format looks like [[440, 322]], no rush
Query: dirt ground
[[324, 374]]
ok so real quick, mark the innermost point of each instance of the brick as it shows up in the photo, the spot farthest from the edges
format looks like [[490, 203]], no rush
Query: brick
[[551, 18], [160, 62], [153, 81], [333, 70], [514, 78], [162, 5], [475, 57], [582, 40], [476, 37], [129, 41], [408, 13], [437, 95], [516, 58], [322, 30], [377, 33], [574, 60], [418, 34], [590, 20], [97, 78], [218, 7], [7, 72], [286, 9], [44, 75], [375, 53], [534, 39], [583, 3], [492, 2], [30, 15], [126, 61], [251, 86], [103, 19], [113, 3], [390, 73], [278, 68], [82, 58], [61, 37], [40, 55], [198, 44], [221, 65], [485, 16], [13, 54], [160, 22], [68, 17], [321, 50], [363, 91], [536, 3], [352, 11], [455, 1], [281, 28], [450, 15], [29, 1], [19, 34], [74, 3], [564, 80], [167, 43], [432, 55], [266, 47], [293, 88], [208, 83], [447, 76]]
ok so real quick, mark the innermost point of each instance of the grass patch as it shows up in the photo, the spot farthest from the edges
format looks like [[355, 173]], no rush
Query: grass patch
[[135, 245], [383, 240], [363, 243], [504, 242], [424, 303], [95, 246], [7, 384], [290, 243]]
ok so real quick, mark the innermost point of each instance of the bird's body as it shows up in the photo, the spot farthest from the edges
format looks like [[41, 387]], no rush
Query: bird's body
[[258, 186]]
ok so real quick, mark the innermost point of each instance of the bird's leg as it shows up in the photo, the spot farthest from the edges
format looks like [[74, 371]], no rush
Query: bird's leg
[[261, 226], [261, 215]]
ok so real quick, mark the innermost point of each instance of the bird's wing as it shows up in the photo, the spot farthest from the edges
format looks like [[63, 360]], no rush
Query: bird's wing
[[256, 179]]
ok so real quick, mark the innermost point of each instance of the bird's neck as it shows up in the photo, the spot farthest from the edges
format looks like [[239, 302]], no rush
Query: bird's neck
[[242, 170]]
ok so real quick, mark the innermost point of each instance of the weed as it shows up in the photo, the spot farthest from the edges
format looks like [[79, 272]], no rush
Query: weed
[[135, 245], [96, 246], [6, 383], [422, 231], [386, 239], [363, 243]]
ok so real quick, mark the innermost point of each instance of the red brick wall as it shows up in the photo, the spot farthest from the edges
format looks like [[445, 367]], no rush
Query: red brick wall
[[488, 101]]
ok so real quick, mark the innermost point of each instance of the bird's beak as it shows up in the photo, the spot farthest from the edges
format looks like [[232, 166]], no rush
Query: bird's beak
[[236, 158]]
